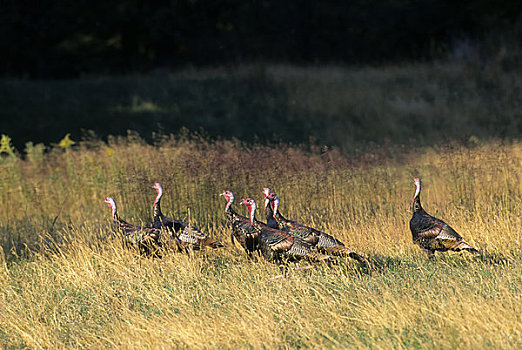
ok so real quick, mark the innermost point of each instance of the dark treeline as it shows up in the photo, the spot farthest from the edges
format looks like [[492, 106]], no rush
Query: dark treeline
[[63, 38]]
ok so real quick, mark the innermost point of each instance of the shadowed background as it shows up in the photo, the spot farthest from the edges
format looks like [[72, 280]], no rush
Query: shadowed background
[[290, 71]]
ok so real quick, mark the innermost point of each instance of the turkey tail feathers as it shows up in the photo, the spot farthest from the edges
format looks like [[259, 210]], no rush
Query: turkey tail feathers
[[341, 250], [457, 246], [212, 243], [465, 246], [357, 257], [314, 256]]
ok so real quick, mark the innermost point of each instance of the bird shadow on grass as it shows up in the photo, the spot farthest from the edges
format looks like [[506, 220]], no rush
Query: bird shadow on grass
[[381, 264], [24, 236], [463, 259], [348, 266], [45, 236], [493, 259]]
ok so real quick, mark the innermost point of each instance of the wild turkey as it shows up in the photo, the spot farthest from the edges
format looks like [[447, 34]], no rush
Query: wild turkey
[[242, 230], [189, 236], [148, 240], [270, 209], [278, 246], [432, 234], [321, 241]]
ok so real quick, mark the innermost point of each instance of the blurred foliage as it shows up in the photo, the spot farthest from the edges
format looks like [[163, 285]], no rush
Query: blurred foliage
[[422, 104], [63, 39], [6, 147], [66, 142]]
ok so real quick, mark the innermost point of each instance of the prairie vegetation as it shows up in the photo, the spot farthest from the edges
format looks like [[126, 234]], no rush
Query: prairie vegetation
[[65, 280], [349, 108]]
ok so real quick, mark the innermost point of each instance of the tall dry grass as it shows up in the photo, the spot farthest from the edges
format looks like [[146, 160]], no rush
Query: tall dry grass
[[65, 280]]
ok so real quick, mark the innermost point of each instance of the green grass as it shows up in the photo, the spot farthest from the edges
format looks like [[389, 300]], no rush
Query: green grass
[[65, 280]]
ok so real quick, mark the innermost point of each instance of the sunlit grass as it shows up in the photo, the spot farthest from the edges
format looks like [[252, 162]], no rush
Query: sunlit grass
[[65, 280]]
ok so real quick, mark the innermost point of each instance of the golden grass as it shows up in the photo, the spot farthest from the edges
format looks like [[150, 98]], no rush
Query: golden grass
[[65, 281]]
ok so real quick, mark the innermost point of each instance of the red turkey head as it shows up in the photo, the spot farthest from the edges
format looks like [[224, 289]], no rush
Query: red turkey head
[[251, 206], [158, 187], [112, 204], [229, 196]]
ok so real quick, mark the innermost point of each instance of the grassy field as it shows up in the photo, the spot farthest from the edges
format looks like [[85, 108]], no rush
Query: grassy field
[[413, 104], [65, 280]]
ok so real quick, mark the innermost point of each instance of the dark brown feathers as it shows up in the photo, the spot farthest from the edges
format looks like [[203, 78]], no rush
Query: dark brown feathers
[[189, 236], [433, 234], [319, 240]]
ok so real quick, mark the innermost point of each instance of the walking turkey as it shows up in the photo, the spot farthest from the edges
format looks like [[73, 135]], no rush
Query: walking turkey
[[278, 246], [242, 230], [432, 234], [322, 241], [187, 235], [148, 240]]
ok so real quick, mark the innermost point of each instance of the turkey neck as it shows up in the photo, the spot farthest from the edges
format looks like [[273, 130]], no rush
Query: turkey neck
[[117, 219], [229, 211], [277, 216], [156, 206], [416, 206], [269, 212], [252, 218], [231, 214]]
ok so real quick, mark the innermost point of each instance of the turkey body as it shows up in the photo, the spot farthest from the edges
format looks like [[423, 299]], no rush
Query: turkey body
[[188, 236], [433, 234], [321, 241], [278, 246], [147, 240], [242, 231]]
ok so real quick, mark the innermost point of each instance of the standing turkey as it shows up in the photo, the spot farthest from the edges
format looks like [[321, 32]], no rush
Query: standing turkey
[[242, 230], [148, 240], [322, 241], [432, 234], [187, 235], [278, 246]]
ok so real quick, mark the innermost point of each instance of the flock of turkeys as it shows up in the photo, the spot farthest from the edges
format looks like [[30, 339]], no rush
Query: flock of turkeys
[[280, 240]]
